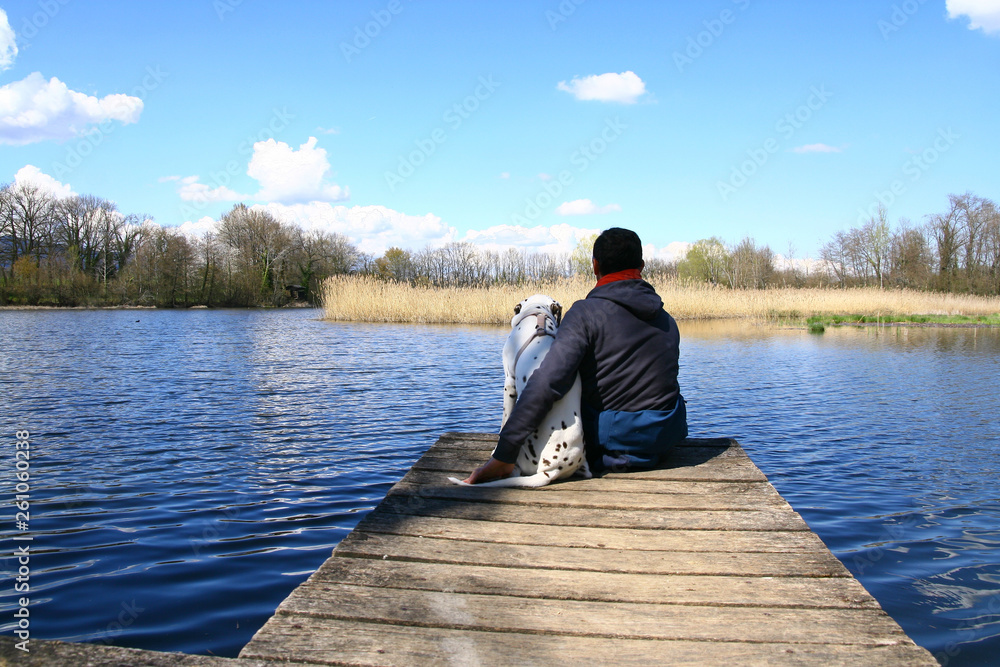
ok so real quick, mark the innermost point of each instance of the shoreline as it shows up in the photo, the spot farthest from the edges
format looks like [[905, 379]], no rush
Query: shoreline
[[198, 307]]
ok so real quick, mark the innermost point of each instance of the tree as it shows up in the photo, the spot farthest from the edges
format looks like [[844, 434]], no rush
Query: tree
[[751, 266], [28, 221], [874, 242], [396, 264], [910, 260], [259, 243], [707, 261], [580, 259]]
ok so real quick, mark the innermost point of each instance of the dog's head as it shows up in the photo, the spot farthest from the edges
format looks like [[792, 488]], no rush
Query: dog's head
[[534, 304]]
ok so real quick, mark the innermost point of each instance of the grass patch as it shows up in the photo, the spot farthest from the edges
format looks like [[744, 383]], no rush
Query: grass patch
[[896, 318]]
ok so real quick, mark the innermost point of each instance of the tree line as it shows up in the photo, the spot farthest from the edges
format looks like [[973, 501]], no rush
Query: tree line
[[954, 251], [83, 251]]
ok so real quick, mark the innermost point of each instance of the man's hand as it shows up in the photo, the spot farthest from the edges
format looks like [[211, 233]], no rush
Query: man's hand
[[492, 469]]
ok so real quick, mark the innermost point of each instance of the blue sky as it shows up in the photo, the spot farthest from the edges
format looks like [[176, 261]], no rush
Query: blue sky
[[419, 122]]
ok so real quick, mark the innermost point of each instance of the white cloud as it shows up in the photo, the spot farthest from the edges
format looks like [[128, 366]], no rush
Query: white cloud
[[34, 109], [197, 230], [585, 207], [816, 148], [625, 88], [505, 175], [671, 252], [372, 228], [8, 43], [285, 175], [30, 174], [982, 14], [191, 189], [806, 265], [290, 176], [557, 239]]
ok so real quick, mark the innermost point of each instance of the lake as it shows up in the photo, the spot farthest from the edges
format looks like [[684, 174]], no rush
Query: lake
[[190, 468]]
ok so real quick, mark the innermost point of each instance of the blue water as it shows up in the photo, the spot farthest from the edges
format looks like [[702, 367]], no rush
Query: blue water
[[190, 468]]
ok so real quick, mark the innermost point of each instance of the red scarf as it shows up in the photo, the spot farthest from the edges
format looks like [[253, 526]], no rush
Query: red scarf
[[627, 274]]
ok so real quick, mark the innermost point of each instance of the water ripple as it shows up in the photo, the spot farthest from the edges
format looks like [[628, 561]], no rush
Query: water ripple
[[192, 467]]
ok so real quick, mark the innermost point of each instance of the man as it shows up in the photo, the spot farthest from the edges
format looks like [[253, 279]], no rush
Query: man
[[625, 347]]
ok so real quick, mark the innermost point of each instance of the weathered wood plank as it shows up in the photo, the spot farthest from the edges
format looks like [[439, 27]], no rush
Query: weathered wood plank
[[621, 484], [399, 547], [739, 470], [460, 611], [818, 592], [736, 541], [332, 641], [48, 652], [566, 495], [609, 518], [697, 562]]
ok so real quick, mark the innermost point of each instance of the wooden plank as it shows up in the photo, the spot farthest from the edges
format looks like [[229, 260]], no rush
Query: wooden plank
[[332, 641], [400, 547], [416, 504], [49, 652], [593, 619], [712, 470], [566, 495], [697, 562], [616, 483], [815, 592], [639, 539]]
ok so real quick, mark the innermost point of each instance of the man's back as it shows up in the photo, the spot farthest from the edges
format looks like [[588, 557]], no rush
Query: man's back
[[625, 347]]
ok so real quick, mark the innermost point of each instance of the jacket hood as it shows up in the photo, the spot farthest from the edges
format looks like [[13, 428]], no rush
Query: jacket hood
[[636, 296]]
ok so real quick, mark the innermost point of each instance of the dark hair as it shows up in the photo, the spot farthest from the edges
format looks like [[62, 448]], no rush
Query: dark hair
[[618, 249]]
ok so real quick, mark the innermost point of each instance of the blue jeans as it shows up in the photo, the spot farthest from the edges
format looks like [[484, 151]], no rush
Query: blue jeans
[[632, 440]]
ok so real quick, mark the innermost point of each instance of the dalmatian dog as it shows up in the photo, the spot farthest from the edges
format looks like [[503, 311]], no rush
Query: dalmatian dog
[[555, 450]]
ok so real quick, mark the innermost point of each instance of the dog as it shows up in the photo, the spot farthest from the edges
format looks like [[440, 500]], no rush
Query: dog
[[555, 450]]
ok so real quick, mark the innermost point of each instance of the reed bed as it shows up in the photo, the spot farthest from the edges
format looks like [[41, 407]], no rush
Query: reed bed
[[366, 299]]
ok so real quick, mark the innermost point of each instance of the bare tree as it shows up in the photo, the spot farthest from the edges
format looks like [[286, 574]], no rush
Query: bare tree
[[259, 243]]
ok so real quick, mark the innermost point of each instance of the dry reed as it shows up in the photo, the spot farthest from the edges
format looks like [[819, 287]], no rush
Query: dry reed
[[366, 299]]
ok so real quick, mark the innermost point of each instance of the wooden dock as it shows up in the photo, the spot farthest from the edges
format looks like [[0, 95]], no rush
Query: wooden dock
[[701, 562]]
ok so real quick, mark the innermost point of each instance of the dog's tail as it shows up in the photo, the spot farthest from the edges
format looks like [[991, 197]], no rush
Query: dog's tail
[[531, 481]]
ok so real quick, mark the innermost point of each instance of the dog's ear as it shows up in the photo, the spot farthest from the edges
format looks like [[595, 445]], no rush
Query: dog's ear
[[517, 309], [557, 312]]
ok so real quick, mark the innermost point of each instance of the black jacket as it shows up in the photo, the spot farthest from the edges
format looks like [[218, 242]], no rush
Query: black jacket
[[625, 347]]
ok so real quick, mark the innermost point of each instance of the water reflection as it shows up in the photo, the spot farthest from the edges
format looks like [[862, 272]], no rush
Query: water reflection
[[227, 452], [887, 441]]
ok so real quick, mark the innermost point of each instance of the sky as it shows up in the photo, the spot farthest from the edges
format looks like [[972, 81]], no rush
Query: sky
[[527, 124]]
